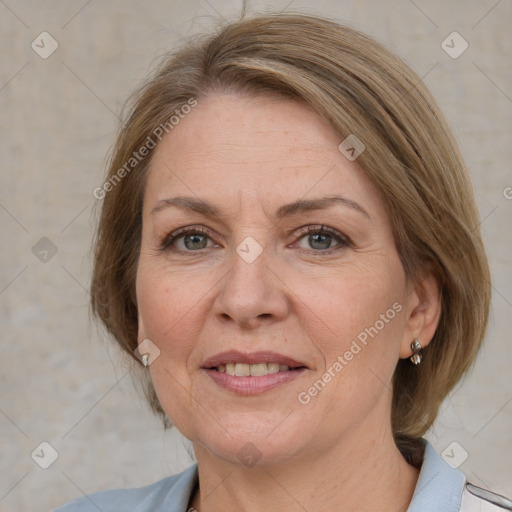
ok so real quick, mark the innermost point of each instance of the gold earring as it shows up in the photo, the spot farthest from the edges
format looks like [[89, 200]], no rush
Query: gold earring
[[417, 352]]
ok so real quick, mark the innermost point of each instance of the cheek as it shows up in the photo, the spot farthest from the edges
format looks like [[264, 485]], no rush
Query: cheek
[[352, 305], [167, 304], [356, 321]]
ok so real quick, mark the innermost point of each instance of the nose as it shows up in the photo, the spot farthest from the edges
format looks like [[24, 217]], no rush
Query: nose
[[251, 293]]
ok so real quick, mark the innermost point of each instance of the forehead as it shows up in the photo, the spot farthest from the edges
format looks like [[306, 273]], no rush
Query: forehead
[[231, 146]]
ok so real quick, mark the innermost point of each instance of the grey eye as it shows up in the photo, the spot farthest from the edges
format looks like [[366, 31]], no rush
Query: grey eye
[[195, 241], [320, 241]]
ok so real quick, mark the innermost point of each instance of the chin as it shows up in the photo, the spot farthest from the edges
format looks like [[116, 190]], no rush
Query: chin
[[249, 453], [258, 444]]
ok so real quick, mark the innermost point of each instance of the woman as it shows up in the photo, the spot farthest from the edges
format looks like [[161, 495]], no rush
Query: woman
[[289, 248]]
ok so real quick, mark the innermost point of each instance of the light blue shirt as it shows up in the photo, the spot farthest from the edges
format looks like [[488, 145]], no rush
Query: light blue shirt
[[439, 489]]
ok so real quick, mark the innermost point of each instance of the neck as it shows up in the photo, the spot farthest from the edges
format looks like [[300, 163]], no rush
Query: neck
[[364, 469]]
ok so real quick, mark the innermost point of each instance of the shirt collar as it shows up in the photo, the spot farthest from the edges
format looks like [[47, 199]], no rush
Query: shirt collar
[[439, 485], [178, 497]]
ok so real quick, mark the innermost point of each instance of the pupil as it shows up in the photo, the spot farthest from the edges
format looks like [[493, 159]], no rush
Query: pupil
[[320, 239], [195, 241]]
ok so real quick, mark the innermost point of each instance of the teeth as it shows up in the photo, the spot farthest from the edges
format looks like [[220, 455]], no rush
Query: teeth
[[242, 370], [274, 367], [257, 370]]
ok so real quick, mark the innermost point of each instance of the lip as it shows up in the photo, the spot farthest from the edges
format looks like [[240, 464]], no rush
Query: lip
[[235, 356], [253, 385]]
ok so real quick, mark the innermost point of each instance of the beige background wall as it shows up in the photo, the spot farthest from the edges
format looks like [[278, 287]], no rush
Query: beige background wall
[[60, 382]]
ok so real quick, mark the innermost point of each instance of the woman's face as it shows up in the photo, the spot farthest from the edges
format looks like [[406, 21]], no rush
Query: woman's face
[[253, 279]]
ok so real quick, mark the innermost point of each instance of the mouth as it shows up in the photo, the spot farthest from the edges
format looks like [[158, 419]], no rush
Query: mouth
[[254, 372], [234, 362]]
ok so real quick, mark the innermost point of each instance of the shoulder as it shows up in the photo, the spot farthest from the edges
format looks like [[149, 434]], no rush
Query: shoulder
[[443, 487], [170, 494], [477, 499]]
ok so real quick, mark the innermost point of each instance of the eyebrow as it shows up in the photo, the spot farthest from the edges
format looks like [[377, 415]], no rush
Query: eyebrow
[[297, 207]]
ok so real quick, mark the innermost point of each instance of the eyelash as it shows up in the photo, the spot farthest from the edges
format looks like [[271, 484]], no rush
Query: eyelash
[[344, 241]]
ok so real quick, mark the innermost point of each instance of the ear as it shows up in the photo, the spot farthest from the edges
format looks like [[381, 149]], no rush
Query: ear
[[423, 311]]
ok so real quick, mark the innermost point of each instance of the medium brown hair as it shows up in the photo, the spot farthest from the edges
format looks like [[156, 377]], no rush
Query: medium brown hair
[[359, 87]]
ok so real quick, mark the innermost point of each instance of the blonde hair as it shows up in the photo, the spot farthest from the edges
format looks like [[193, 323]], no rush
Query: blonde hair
[[360, 88]]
